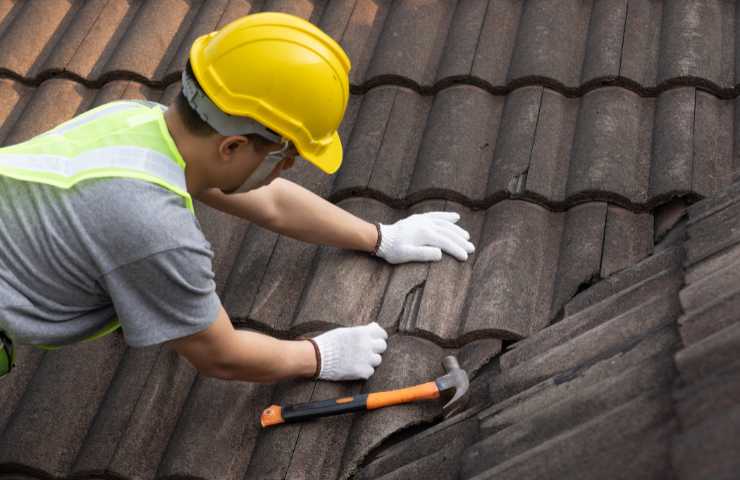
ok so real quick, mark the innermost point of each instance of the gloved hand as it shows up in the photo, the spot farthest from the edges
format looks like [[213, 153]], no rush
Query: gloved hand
[[423, 237], [351, 353]]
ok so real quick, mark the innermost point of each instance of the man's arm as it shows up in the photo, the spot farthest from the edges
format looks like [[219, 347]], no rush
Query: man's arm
[[287, 208], [223, 352]]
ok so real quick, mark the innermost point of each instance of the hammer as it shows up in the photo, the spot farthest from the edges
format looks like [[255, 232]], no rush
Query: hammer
[[456, 378]]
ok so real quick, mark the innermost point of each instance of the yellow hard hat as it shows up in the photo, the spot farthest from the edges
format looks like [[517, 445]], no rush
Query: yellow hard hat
[[282, 72]]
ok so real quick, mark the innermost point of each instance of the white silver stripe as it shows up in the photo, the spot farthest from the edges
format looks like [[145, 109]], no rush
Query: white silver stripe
[[128, 157]]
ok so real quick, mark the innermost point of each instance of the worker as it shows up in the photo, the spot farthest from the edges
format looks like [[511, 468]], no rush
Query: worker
[[97, 222]]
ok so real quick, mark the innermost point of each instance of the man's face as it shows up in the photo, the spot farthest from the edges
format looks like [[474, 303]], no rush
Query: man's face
[[260, 165]]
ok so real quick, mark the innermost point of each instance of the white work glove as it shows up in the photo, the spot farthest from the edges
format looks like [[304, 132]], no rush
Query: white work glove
[[351, 353], [423, 237]]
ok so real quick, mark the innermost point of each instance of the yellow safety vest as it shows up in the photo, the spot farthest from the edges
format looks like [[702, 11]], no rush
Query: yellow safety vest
[[126, 139]]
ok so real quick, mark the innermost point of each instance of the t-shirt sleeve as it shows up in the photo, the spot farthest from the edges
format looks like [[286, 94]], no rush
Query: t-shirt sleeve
[[164, 296]]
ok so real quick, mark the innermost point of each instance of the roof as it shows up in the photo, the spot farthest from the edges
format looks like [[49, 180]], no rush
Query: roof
[[562, 131]]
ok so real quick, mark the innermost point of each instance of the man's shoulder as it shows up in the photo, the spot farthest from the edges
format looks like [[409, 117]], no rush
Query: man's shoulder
[[141, 216]]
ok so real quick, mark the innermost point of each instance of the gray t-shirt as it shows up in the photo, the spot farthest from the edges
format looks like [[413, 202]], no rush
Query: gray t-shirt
[[71, 260]]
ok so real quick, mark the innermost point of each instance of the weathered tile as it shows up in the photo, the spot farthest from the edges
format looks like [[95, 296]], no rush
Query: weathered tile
[[513, 275], [415, 454], [580, 251], [709, 354], [44, 419], [553, 146], [620, 333], [113, 417], [408, 361], [629, 441], [670, 259], [44, 110], [551, 41], [641, 48], [673, 142], [611, 150], [458, 143], [381, 154], [14, 97], [711, 396], [718, 313], [649, 350], [628, 239], [33, 33], [709, 450], [357, 27], [695, 41], [412, 41], [346, 287], [501, 442], [92, 37], [217, 413], [606, 30], [437, 311], [27, 361], [513, 153]]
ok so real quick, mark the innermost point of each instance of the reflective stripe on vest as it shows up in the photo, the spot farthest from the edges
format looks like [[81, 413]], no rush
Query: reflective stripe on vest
[[126, 139]]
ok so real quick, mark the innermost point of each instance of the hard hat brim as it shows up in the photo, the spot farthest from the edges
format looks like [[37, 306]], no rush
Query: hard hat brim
[[330, 160]]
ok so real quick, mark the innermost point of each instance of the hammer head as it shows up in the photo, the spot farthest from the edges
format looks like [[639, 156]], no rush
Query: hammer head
[[456, 378]]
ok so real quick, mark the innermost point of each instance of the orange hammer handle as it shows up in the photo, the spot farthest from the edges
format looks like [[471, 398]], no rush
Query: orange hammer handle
[[425, 391]]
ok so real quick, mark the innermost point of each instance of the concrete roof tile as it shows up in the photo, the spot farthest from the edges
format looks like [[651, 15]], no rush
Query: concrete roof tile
[[610, 152], [581, 250], [708, 450], [608, 440], [219, 413], [93, 35], [512, 157], [418, 456], [412, 42], [357, 27], [75, 376], [381, 153], [512, 281], [551, 153], [711, 396], [551, 41], [153, 37], [603, 56], [44, 110], [641, 49], [114, 413], [708, 354], [714, 133], [627, 240], [457, 147], [673, 142], [346, 288], [14, 97], [509, 438], [408, 361], [32, 33], [695, 41]]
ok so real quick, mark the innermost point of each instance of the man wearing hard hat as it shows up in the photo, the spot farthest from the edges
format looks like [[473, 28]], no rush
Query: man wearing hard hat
[[97, 223]]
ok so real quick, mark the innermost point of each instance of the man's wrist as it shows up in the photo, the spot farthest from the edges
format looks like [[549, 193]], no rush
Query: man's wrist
[[378, 239], [306, 363]]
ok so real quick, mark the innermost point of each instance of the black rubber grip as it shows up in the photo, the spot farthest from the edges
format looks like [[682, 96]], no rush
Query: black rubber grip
[[324, 408]]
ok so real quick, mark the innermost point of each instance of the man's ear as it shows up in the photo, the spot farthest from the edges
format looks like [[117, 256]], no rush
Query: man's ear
[[230, 145]]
